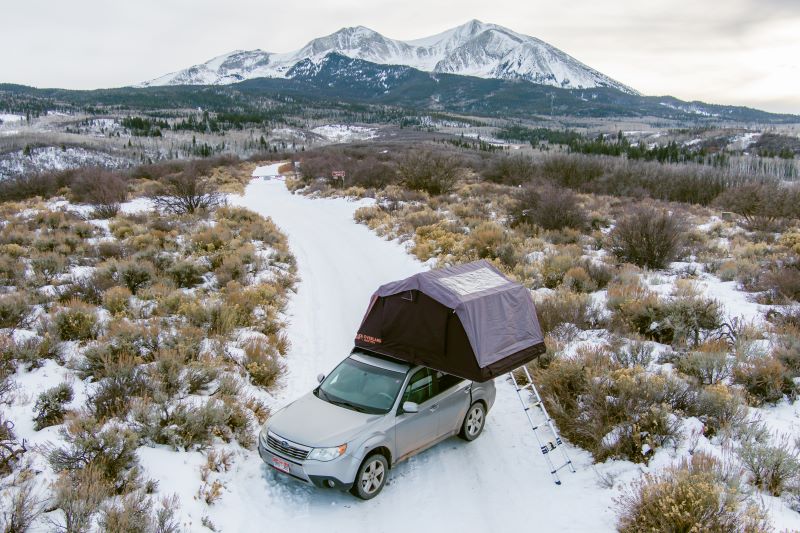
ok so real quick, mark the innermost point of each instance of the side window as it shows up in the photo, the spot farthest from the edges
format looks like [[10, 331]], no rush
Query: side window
[[446, 381], [420, 388]]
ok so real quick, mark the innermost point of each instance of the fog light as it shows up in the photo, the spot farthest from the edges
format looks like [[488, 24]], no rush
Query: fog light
[[330, 483]]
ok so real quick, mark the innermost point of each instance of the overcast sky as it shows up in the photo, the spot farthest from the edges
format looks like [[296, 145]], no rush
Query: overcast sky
[[744, 52]]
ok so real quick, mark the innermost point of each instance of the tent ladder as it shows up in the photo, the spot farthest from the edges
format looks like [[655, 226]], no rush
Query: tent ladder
[[544, 430]]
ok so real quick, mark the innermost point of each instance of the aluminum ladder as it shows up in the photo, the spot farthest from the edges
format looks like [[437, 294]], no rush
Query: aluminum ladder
[[550, 442]]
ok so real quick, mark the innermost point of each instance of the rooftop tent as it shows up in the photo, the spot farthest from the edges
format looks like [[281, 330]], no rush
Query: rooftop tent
[[466, 320]]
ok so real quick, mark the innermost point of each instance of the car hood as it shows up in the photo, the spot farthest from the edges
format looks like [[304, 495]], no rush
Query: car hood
[[317, 423]]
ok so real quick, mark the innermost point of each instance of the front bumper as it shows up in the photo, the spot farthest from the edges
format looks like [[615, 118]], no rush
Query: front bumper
[[339, 473]]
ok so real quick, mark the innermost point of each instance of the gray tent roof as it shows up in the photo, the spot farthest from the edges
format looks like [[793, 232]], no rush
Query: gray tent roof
[[497, 314]]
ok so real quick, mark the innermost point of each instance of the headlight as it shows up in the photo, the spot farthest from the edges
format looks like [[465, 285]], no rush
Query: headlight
[[327, 454]]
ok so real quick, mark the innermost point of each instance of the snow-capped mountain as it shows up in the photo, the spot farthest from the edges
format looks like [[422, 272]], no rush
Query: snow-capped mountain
[[472, 49]]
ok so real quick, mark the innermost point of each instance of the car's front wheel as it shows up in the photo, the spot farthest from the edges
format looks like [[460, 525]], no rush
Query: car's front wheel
[[474, 421], [371, 477]]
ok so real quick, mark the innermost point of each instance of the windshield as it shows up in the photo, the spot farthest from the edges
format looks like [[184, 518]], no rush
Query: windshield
[[361, 387]]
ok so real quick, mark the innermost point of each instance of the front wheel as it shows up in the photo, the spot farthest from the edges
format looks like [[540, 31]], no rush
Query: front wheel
[[371, 477], [473, 423]]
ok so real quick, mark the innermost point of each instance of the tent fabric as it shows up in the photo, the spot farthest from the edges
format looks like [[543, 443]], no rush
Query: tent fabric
[[467, 320]]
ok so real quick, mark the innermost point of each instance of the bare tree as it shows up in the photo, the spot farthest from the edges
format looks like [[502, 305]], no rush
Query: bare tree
[[101, 188], [647, 237], [429, 171], [186, 192]]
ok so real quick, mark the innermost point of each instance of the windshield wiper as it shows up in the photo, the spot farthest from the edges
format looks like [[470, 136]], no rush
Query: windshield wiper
[[346, 404]]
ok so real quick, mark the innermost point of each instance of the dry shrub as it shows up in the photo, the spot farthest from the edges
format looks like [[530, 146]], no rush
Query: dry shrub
[[232, 267], [578, 280], [11, 450], [636, 309], [108, 249], [442, 241], [549, 207], [49, 406], [611, 412], [46, 266], [554, 266], [787, 349], [489, 240], [222, 318], [219, 461], [690, 316], [117, 300], [79, 494], [566, 307], [764, 378], [135, 275], [14, 309], [690, 496], [709, 363], [262, 362], [429, 171], [647, 238], [76, 322], [30, 352], [632, 354], [88, 289], [113, 395], [187, 192], [12, 271], [763, 206], [772, 460], [199, 375], [131, 514], [211, 492], [99, 187], [138, 339], [684, 319], [782, 284], [134, 513], [25, 507], [90, 445], [186, 273], [720, 408], [372, 216], [194, 425], [510, 170]]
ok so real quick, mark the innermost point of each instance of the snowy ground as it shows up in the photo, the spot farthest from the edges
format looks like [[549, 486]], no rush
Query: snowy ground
[[454, 486], [7, 118], [340, 133], [498, 482]]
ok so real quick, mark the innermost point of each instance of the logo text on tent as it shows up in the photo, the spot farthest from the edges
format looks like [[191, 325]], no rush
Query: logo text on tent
[[368, 339]]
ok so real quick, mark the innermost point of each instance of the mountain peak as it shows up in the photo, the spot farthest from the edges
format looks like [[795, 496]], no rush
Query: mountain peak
[[474, 48]]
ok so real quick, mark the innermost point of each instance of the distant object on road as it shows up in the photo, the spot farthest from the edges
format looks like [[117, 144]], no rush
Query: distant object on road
[[268, 172]]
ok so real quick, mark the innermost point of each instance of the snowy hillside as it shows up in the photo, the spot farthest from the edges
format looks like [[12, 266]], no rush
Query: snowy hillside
[[55, 158], [473, 49]]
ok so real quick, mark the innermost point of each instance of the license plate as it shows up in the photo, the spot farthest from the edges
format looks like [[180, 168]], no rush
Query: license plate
[[281, 465]]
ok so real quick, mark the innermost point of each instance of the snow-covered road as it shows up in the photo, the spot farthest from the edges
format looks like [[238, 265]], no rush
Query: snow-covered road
[[495, 483]]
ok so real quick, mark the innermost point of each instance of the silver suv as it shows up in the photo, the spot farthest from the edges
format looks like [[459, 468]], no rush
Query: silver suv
[[370, 413]]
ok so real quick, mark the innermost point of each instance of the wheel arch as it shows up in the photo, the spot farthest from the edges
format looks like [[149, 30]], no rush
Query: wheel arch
[[382, 450]]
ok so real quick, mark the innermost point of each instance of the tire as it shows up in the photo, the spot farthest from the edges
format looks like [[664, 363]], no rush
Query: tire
[[371, 477], [474, 422]]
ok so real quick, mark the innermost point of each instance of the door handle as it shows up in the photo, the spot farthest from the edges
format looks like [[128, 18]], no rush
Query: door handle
[[434, 407], [466, 390]]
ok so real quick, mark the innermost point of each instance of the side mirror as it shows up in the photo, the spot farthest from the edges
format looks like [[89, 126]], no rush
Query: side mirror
[[320, 378], [410, 407]]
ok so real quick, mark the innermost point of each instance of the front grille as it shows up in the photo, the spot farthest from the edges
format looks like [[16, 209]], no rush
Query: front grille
[[287, 448]]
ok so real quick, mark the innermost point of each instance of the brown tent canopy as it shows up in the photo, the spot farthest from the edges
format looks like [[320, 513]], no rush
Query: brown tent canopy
[[466, 320]]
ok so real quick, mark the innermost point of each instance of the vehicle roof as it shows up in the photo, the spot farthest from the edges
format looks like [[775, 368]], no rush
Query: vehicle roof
[[380, 361]]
